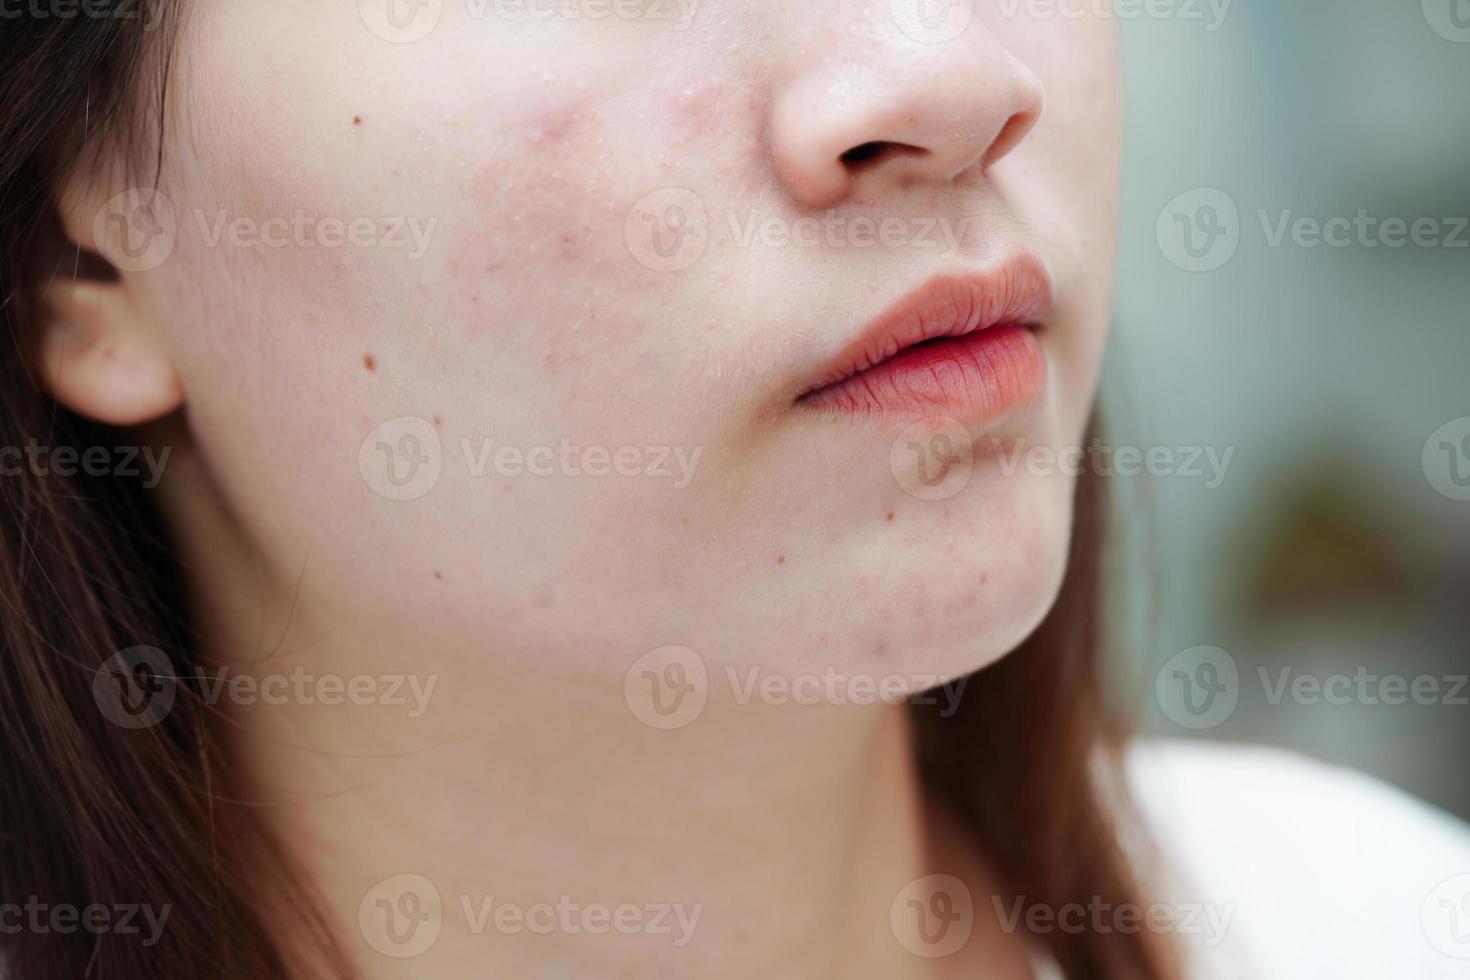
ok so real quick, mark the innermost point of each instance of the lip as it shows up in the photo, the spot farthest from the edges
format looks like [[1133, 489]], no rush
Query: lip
[[960, 346]]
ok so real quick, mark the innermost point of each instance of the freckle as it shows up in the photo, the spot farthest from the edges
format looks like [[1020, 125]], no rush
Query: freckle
[[439, 576], [370, 362], [780, 559], [684, 521], [984, 577], [438, 422], [890, 517], [357, 120]]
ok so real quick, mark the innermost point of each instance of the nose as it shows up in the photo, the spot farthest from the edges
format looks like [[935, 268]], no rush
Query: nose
[[890, 111]]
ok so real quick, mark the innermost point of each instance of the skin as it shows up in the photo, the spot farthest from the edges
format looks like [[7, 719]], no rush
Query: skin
[[533, 316]]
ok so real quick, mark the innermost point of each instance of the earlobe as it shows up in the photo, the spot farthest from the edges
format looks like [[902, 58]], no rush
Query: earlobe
[[101, 358]]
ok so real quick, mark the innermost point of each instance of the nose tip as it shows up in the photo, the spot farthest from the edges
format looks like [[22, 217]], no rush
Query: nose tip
[[861, 129]]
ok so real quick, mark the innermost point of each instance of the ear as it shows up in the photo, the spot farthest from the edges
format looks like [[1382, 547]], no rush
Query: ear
[[100, 358], [99, 352]]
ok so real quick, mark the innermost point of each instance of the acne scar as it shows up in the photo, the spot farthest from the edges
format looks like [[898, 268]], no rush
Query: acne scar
[[370, 362]]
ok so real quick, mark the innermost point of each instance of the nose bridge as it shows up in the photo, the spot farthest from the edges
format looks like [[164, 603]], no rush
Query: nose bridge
[[875, 99]]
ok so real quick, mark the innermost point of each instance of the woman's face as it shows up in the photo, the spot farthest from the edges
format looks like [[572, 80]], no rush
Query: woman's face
[[494, 317]]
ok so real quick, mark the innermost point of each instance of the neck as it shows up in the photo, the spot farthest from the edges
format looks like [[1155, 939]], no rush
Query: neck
[[531, 829]]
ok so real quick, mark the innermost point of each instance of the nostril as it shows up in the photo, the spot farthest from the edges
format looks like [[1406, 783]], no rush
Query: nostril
[[870, 152]]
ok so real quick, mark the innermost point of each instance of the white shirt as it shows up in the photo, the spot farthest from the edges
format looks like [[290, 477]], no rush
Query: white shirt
[[1274, 866]]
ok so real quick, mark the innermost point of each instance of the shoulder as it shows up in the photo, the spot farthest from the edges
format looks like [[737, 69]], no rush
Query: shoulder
[[1294, 868]]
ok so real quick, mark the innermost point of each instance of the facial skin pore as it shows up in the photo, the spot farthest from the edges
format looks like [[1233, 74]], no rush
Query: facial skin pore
[[529, 320]]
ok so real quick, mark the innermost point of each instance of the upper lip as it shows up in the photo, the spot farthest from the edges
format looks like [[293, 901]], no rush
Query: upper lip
[[1015, 291]]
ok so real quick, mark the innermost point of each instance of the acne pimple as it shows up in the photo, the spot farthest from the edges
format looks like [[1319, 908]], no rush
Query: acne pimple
[[370, 362]]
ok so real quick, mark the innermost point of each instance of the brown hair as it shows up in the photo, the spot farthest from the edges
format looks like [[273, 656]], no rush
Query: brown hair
[[94, 812]]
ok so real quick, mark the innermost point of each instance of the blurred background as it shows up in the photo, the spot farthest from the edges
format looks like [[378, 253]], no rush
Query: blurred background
[[1310, 587]]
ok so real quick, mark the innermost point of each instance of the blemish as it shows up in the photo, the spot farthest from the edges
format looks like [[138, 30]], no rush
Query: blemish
[[984, 577], [357, 120], [891, 515], [438, 421], [370, 362], [780, 559], [439, 576]]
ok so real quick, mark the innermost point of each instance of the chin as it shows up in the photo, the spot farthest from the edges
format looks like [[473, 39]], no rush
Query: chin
[[966, 587]]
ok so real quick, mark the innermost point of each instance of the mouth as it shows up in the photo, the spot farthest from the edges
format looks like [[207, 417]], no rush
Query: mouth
[[961, 346]]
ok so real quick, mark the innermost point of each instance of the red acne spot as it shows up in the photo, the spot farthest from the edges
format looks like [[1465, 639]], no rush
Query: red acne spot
[[557, 125], [370, 362]]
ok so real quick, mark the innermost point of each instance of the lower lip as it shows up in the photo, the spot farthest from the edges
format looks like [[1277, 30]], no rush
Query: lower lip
[[975, 378]]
